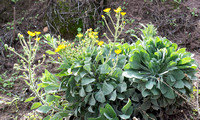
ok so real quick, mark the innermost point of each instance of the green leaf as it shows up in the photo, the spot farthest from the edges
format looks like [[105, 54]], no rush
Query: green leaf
[[155, 91], [51, 88], [86, 81], [87, 60], [122, 87], [90, 109], [149, 84], [82, 92], [170, 94], [83, 73], [29, 99], [178, 74], [113, 96], [121, 61], [99, 57], [135, 60], [145, 93], [50, 52], [179, 84], [117, 73], [99, 118], [87, 97], [109, 113], [163, 88], [107, 88], [44, 109], [51, 98], [77, 78], [120, 96], [127, 66], [182, 50], [104, 68], [47, 118], [127, 106], [99, 96], [132, 74], [124, 117], [135, 97], [60, 115], [88, 88], [185, 60], [87, 67], [35, 105], [146, 105], [92, 101]]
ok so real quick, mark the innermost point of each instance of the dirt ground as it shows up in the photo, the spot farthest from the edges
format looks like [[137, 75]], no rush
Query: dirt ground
[[179, 22]]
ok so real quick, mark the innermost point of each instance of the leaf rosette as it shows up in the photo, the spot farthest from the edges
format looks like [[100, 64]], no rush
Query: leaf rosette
[[161, 72]]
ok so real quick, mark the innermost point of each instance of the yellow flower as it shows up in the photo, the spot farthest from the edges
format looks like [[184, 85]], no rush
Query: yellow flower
[[89, 29], [80, 35], [94, 33], [107, 10], [123, 13], [58, 57], [96, 36], [37, 32], [57, 49], [60, 47], [34, 50], [20, 35], [118, 10], [37, 39], [83, 40], [100, 43], [31, 33], [103, 16], [97, 41], [118, 51], [91, 35]]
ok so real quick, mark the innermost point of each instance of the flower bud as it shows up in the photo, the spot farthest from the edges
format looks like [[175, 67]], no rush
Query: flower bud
[[16, 66]]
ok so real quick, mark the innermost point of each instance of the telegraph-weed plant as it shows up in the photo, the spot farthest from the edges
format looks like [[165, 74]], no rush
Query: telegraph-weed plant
[[162, 72], [91, 71], [44, 90]]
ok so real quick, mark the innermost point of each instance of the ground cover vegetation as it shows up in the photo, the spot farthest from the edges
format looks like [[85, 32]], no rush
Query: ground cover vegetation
[[110, 79]]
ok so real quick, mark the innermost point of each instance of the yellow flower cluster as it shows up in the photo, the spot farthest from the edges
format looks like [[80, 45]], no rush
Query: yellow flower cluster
[[92, 34], [31, 33], [107, 10], [123, 13], [60, 47], [100, 43], [37, 32], [37, 39], [118, 51], [80, 35], [118, 10]]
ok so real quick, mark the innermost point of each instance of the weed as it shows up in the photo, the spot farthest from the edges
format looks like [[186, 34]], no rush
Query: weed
[[15, 1], [8, 82]]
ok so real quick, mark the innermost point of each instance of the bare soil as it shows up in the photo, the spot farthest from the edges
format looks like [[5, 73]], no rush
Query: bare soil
[[180, 23]]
